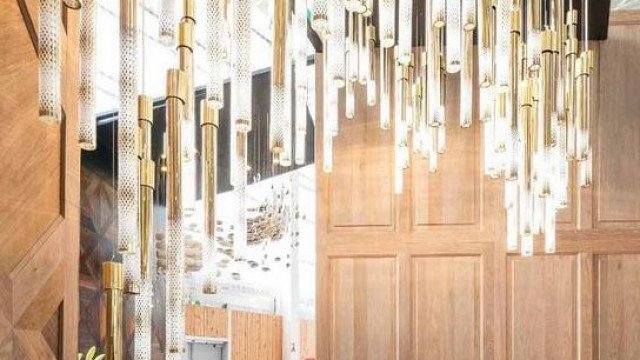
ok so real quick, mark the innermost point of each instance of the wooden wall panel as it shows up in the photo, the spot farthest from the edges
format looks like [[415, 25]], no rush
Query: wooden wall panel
[[363, 315], [206, 321], [449, 196], [445, 285], [307, 339], [362, 165], [618, 307], [39, 196], [618, 129], [446, 305], [256, 336], [542, 307]]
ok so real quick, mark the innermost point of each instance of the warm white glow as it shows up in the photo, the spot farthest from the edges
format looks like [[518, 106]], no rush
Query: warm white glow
[[405, 30], [241, 73], [87, 117], [453, 38], [168, 22], [215, 52], [387, 22], [49, 56]]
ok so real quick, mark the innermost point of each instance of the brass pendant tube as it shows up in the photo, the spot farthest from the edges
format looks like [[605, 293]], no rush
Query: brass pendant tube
[[209, 120], [147, 182], [548, 97], [371, 73], [176, 94], [113, 283], [175, 109], [280, 22], [185, 53], [581, 107], [571, 54]]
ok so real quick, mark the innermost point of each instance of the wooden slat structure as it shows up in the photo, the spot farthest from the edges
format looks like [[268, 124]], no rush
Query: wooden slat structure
[[425, 275], [39, 196]]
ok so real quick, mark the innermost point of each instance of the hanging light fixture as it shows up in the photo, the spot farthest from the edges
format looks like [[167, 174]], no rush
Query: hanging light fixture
[[175, 110], [300, 61], [49, 56], [280, 127], [209, 124], [240, 114], [167, 25], [87, 117], [534, 86]]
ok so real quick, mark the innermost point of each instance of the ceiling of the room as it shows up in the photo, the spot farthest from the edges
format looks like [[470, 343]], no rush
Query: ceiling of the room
[[617, 5]]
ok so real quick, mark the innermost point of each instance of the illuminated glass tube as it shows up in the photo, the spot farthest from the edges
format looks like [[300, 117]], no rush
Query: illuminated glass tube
[[405, 28], [453, 37], [371, 74], [581, 108], [240, 196], [503, 36], [336, 50], [385, 93], [320, 21], [143, 316], [438, 13], [300, 34], [280, 127], [387, 22], [363, 54], [549, 225], [241, 73], [350, 102], [215, 52], [49, 57], [351, 49], [128, 174], [87, 116], [167, 25], [468, 14], [466, 79]]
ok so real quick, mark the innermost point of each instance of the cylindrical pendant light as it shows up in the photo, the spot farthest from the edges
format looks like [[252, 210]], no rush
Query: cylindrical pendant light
[[167, 26], [49, 56], [175, 108], [113, 284], [209, 122], [87, 117]]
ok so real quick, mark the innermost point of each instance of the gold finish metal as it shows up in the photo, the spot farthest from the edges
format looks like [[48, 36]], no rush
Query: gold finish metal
[[176, 93], [528, 127], [147, 182], [535, 15], [113, 283], [514, 56], [185, 52], [189, 10], [128, 14], [581, 98], [72, 4], [209, 118], [280, 24]]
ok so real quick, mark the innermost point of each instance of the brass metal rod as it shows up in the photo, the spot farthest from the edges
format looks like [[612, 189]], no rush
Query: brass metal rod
[[280, 24], [147, 182], [113, 283], [209, 119], [176, 89]]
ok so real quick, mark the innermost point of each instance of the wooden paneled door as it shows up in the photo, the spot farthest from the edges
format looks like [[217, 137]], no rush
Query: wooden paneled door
[[39, 196], [425, 274]]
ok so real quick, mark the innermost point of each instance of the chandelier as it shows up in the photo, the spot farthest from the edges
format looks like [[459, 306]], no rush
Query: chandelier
[[228, 29], [533, 84]]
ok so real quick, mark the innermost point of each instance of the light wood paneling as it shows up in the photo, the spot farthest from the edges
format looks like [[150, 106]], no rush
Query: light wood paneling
[[39, 196], [362, 166], [206, 321], [542, 307], [256, 336], [618, 129], [307, 339], [618, 307], [363, 314], [449, 197], [446, 303]]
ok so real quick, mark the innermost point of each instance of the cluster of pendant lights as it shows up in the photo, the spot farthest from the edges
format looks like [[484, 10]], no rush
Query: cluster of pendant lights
[[533, 77], [228, 39]]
